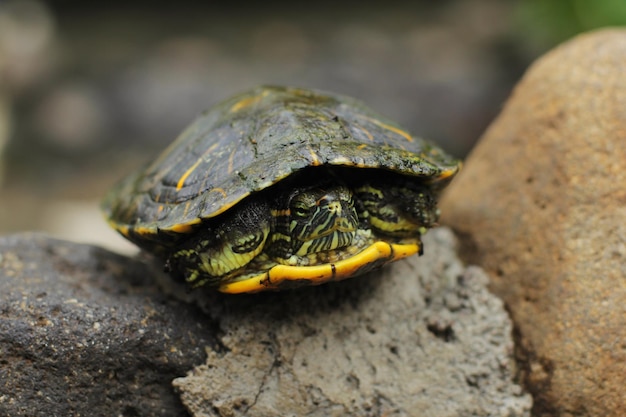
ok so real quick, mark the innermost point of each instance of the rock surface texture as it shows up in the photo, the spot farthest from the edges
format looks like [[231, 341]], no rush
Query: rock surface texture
[[422, 337], [541, 205], [83, 333], [87, 332]]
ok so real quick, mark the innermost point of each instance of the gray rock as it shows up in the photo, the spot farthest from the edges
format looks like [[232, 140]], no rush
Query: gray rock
[[84, 332], [87, 332], [422, 337]]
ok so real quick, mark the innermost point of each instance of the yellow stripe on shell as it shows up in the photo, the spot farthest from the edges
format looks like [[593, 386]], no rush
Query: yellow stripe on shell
[[367, 133], [449, 172], [231, 160], [186, 208], [224, 207], [246, 102], [188, 227], [342, 160], [184, 227], [121, 229], [181, 181], [315, 161], [218, 190], [319, 274], [394, 129]]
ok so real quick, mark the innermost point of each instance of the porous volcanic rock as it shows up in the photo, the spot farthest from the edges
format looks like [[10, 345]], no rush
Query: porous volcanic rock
[[421, 337], [86, 332]]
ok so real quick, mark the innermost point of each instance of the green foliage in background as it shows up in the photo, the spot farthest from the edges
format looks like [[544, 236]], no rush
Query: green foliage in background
[[547, 22]]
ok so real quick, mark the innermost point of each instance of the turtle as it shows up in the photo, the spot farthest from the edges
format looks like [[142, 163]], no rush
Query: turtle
[[279, 187]]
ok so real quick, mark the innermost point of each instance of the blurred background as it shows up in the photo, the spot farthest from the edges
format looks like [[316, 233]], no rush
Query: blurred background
[[90, 90]]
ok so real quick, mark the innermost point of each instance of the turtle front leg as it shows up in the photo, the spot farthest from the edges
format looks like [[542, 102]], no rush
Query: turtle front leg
[[218, 252], [401, 210]]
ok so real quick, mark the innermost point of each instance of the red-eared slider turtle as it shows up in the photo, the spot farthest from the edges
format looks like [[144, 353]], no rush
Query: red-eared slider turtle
[[279, 187]]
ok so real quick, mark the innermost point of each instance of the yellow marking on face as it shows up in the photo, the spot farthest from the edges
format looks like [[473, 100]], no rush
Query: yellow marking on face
[[319, 274], [361, 146], [391, 128], [182, 179]]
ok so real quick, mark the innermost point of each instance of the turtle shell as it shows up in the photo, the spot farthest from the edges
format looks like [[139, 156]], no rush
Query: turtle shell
[[253, 141]]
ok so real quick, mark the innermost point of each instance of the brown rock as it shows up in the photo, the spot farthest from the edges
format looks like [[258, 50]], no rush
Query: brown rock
[[541, 205]]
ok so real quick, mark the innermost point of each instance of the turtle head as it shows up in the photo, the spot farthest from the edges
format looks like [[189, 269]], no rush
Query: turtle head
[[321, 219]]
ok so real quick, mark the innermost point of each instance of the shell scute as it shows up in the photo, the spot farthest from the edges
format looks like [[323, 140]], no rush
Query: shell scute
[[253, 141]]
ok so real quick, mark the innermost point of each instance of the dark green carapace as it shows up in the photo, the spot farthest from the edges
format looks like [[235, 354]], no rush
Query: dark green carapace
[[279, 187]]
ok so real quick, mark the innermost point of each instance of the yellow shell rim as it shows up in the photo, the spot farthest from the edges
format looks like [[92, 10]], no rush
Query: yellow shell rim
[[272, 279]]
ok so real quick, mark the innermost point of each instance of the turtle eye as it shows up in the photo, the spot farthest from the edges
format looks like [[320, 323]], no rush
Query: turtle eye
[[300, 210]]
